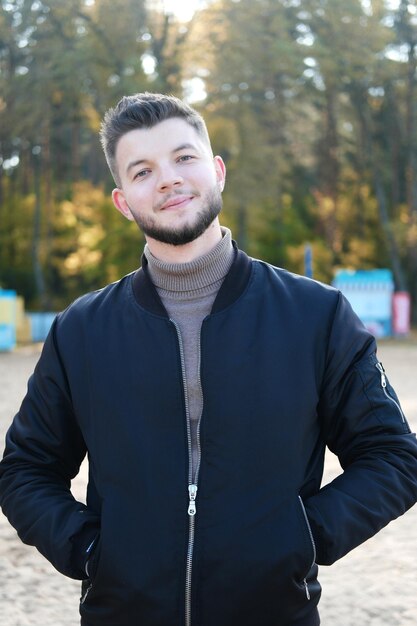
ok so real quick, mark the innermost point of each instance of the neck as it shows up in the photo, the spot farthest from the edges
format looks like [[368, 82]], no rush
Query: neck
[[189, 252]]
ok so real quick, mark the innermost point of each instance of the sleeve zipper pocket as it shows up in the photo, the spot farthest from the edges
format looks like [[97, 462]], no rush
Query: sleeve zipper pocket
[[384, 383]]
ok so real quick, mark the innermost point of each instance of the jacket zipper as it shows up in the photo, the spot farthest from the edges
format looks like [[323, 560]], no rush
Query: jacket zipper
[[381, 370], [305, 583], [192, 480]]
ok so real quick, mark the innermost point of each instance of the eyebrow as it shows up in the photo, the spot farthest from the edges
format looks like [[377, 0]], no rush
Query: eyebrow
[[183, 146]]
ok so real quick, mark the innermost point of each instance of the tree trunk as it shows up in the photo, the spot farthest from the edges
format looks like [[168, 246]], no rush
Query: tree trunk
[[360, 102], [411, 169], [37, 235]]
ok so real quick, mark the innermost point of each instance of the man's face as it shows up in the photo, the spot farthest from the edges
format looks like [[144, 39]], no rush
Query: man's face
[[170, 183]]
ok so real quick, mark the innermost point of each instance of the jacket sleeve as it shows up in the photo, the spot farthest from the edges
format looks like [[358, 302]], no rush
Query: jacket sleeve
[[364, 426], [44, 450]]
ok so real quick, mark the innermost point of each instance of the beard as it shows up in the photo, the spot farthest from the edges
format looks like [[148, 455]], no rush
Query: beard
[[182, 235]]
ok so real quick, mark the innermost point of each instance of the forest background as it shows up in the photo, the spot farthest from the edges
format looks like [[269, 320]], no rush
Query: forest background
[[312, 104]]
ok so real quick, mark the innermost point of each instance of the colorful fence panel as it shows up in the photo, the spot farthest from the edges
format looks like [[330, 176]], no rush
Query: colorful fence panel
[[370, 292]]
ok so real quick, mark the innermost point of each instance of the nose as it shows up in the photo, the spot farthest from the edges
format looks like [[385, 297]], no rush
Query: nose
[[169, 178]]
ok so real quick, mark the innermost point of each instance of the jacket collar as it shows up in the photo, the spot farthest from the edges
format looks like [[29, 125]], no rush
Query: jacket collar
[[232, 287]]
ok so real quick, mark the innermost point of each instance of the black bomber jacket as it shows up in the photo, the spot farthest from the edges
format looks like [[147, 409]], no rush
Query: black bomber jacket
[[286, 368]]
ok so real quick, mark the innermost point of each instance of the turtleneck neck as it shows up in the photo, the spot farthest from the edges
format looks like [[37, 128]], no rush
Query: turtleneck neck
[[195, 278]]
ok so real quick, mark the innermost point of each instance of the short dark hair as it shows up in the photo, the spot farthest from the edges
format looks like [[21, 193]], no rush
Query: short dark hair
[[144, 110]]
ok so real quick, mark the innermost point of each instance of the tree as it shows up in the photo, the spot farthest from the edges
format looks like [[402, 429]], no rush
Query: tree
[[405, 27], [251, 69], [74, 59]]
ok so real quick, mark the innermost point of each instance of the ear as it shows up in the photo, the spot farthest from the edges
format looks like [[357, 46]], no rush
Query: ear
[[220, 171], [121, 205]]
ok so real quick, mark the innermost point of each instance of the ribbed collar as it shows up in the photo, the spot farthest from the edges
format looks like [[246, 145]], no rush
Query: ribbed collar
[[195, 276]]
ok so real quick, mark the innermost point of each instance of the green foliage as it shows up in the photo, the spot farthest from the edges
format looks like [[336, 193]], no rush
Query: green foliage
[[93, 246]]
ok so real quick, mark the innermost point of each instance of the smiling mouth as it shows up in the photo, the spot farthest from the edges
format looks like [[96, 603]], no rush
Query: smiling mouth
[[176, 202]]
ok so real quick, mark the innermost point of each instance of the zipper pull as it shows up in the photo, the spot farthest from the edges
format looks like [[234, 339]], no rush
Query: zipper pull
[[306, 589], [192, 490], [381, 370]]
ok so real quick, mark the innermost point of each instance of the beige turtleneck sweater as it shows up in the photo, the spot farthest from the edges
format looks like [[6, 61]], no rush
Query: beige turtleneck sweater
[[188, 291]]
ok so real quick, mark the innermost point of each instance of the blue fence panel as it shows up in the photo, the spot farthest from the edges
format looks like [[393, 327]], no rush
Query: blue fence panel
[[7, 319], [370, 293], [7, 337]]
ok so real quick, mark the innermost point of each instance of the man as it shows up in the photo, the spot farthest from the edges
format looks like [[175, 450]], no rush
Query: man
[[204, 388]]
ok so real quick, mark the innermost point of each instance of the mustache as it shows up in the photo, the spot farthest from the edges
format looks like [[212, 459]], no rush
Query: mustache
[[170, 196]]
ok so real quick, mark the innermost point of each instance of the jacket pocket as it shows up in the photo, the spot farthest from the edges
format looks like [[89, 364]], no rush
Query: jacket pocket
[[86, 586], [260, 555], [389, 392], [381, 395], [91, 569], [312, 545]]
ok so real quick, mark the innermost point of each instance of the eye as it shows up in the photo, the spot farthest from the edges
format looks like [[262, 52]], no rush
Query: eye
[[141, 173], [185, 157]]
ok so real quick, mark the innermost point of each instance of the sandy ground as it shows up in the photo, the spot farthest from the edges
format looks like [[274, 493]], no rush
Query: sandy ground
[[375, 585]]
